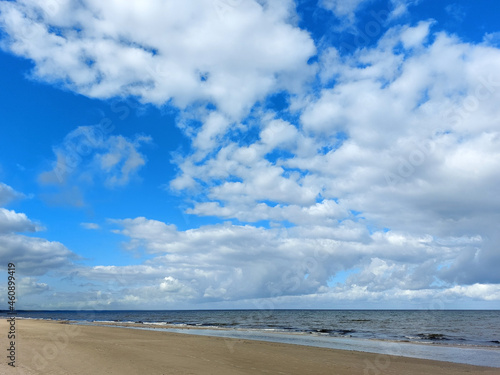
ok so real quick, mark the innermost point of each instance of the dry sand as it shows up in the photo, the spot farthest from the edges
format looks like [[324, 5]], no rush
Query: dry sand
[[54, 348]]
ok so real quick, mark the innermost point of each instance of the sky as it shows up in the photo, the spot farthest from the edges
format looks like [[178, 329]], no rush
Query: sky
[[250, 154]]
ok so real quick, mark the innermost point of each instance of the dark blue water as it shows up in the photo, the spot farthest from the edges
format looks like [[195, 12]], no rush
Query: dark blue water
[[442, 327]]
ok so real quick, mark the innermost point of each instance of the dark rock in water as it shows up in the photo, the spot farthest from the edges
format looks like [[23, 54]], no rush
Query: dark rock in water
[[324, 330], [432, 336]]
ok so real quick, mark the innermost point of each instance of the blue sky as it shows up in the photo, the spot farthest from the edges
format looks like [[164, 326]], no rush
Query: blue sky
[[241, 153]]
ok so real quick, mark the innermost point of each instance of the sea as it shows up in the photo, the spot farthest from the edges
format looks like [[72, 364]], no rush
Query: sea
[[461, 336]]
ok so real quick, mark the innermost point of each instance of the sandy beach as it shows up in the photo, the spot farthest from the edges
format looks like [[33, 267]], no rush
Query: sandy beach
[[43, 347]]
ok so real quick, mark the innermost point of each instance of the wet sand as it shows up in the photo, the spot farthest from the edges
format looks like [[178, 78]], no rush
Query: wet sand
[[44, 347]]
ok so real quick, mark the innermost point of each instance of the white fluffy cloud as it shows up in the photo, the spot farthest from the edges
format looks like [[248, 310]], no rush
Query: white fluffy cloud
[[34, 256], [421, 158], [11, 221], [229, 53], [427, 133]]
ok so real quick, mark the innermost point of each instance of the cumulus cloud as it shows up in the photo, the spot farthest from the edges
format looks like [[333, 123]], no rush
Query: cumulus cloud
[[158, 51], [426, 138], [477, 291], [414, 139], [7, 194], [11, 221], [34, 256], [230, 55]]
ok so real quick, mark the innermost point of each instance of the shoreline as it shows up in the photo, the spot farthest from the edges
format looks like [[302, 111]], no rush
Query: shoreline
[[45, 347]]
